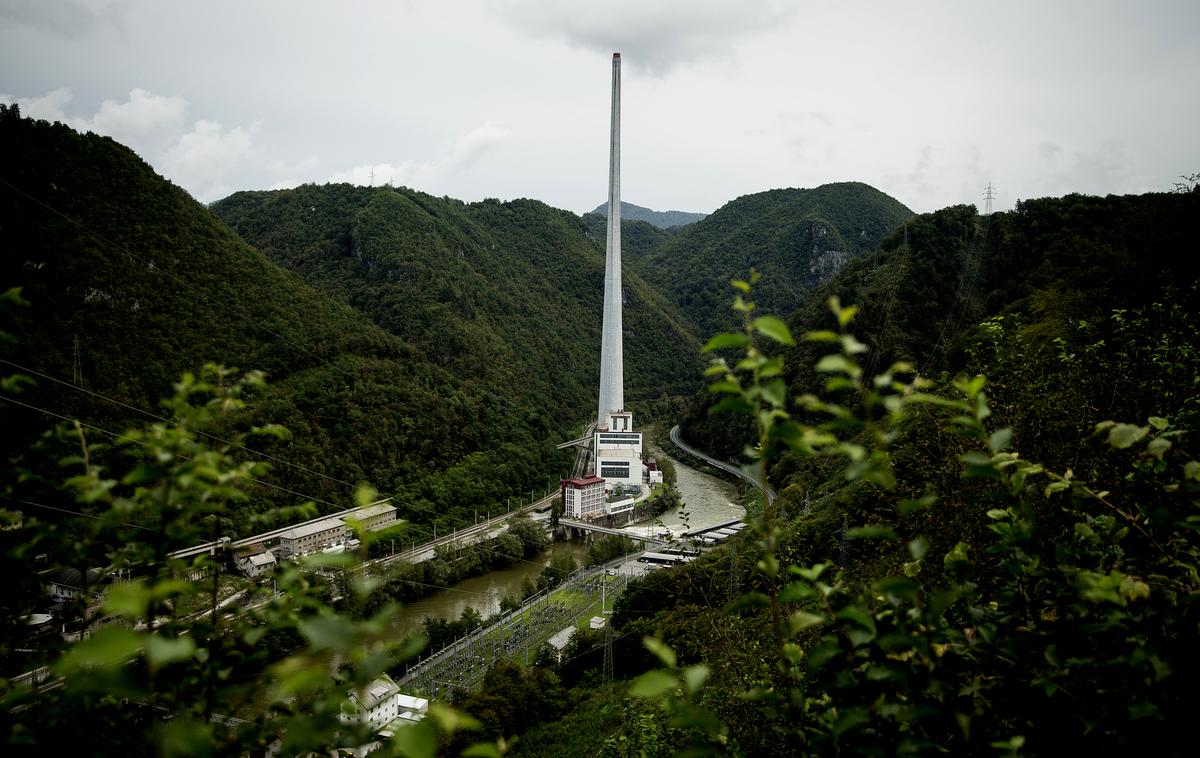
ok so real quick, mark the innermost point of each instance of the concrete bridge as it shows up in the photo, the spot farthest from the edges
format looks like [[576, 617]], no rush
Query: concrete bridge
[[584, 526]]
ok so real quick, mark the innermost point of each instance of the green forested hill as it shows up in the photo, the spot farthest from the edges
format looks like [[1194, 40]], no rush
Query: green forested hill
[[797, 238], [131, 282], [506, 296], [638, 238], [995, 574], [1052, 273]]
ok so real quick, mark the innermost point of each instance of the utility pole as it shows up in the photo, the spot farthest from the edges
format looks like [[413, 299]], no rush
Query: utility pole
[[989, 194], [372, 176]]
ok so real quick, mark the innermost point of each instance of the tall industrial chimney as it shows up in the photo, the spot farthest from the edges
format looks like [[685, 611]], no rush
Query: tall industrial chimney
[[612, 369]]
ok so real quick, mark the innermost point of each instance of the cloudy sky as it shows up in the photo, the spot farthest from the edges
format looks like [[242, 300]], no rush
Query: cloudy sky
[[928, 101]]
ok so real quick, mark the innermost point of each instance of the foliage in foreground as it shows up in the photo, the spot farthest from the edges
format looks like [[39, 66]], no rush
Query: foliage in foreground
[[151, 680], [1070, 628]]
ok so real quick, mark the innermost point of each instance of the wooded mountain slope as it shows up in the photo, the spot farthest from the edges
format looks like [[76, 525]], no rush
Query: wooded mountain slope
[[506, 296], [660, 219], [797, 238], [131, 282], [978, 602]]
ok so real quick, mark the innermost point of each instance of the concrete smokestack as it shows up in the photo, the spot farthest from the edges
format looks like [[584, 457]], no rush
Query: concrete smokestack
[[612, 368]]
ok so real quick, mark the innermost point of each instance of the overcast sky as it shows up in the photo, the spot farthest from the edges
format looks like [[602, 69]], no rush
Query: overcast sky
[[928, 101]]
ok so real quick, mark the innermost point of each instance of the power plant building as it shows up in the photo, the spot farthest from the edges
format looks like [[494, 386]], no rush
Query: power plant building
[[583, 497]]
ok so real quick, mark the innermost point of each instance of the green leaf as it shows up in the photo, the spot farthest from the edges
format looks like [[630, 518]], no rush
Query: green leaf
[[1000, 440], [653, 684], [328, 632], [416, 741], [1122, 436], [746, 600], [1158, 447], [798, 621], [811, 573], [958, 554], [918, 548], [660, 650], [775, 329], [849, 719], [919, 504], [821, 336], [1191, 470], [734, 403], [775, 393], [128, 599], [857, 615], [110, 646], [844, 315], [162, 651], [451, 720], [851, 346], [725, 340], [796, 591], [899, 588], [1158, 422], [872, 531], [741, 285], [833, 363], [483, 750], [150, 472], [727, 386], [694, 677]]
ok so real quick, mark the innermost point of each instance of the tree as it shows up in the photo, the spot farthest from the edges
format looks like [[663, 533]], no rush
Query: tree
[[163, 657]]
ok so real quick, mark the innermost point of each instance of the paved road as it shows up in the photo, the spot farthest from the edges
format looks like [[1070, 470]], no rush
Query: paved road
[[729, 467]]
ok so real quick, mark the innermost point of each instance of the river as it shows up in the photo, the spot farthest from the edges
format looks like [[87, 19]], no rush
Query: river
[[707, 500]]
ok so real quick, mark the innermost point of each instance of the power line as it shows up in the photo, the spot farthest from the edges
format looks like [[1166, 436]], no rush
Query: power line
[[164, 419], [73, 513], [117, 436]]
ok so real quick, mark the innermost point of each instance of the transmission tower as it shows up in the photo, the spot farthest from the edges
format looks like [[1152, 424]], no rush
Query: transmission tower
[[76, 369], [989, 194], [608, 659]]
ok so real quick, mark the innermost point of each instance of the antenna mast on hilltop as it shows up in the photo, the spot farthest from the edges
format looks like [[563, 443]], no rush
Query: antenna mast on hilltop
[[989, 194]]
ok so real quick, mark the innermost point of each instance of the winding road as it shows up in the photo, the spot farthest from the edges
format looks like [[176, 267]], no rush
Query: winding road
[[728, 467]]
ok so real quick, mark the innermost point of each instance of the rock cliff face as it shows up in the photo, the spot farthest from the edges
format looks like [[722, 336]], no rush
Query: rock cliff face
[[825, 263]]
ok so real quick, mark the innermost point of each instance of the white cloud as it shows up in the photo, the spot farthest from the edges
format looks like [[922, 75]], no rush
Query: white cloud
[[454, 157], [203, 158], [50, 106], [653, 36], [144, 118]]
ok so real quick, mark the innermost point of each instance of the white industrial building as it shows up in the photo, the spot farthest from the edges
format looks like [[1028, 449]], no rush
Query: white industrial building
[[618, 451], [334, 531], [381, 703], [257, 564], [583, 497]]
